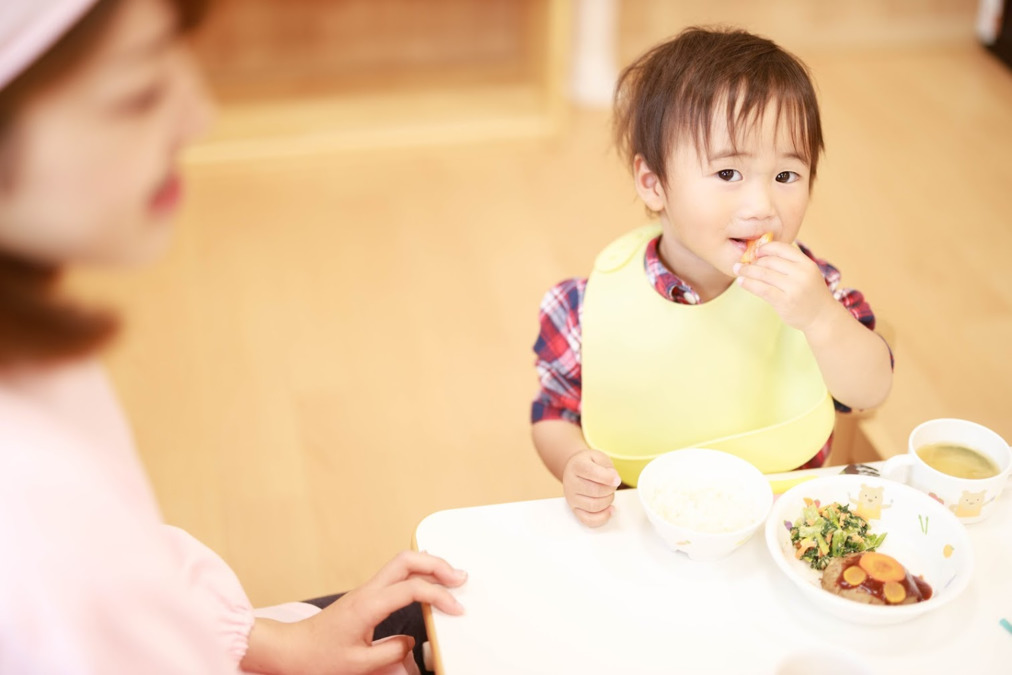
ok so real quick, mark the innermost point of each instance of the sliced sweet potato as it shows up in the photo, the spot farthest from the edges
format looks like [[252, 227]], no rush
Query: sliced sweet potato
[[894, 592], [854, 575]]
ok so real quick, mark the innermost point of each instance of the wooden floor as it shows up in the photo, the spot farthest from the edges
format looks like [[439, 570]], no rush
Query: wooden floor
[[339, 345]]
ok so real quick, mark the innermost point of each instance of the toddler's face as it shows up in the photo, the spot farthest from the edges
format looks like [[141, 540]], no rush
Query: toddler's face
[[716, 201]]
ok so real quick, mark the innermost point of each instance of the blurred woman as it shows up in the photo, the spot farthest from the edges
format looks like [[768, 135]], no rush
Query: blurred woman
[[97, 98]]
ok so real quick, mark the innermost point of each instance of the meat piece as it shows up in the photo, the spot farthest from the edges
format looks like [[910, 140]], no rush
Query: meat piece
[[870, 591], [831, 577]]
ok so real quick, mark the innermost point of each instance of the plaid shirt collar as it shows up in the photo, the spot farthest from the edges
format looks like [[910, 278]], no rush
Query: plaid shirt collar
[[664, 280]]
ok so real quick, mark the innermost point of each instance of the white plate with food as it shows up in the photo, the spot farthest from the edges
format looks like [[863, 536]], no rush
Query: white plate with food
[[869, 550]]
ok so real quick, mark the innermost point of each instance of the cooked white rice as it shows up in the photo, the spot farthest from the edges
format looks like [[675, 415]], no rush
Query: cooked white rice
[[706, 507]]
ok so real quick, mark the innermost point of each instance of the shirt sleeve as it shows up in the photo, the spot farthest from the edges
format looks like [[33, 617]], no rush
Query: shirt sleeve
[[213, 584], [92, 582], [852, 299], [557, 352]]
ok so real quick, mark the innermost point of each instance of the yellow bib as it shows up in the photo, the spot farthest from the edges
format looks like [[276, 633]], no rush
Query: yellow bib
[[727, 374]]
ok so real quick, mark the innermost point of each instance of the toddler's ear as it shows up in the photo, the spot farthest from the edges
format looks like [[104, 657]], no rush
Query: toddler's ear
[[648, 184]]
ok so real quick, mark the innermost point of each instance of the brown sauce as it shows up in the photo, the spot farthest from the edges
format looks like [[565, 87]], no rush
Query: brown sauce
[[915, 587]]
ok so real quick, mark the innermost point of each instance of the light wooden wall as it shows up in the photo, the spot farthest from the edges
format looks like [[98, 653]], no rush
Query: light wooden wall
[[258, 48]]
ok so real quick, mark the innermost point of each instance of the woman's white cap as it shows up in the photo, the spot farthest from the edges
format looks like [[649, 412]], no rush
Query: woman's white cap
[[30, 27]]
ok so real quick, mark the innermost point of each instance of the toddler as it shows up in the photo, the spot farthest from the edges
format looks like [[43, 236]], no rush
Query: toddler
[[712, 327]]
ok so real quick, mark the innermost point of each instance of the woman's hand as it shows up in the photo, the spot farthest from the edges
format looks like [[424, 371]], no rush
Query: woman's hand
[[589, 481], [339, 640]]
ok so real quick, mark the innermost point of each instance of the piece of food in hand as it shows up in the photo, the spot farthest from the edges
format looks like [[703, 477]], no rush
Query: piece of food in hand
[[752, 248], [874, 579], [831, 531]]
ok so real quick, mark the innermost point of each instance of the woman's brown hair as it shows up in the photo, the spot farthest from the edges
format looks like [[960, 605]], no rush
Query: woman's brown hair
[[673, 92], [37, 324]]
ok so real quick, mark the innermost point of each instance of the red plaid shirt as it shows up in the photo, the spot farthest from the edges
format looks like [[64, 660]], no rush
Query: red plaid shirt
[[559, 342]]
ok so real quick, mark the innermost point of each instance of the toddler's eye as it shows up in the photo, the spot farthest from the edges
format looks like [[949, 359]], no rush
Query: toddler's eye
[[729, 175], [787, 177]]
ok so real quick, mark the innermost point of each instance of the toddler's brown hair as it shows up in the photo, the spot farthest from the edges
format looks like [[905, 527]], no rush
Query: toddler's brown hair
[[674, 91]]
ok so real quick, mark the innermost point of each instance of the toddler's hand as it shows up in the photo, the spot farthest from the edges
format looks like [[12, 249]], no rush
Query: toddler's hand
[[589, 481], [790, 282]]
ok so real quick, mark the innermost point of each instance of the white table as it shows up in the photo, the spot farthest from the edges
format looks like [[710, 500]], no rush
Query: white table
[[548, 595]]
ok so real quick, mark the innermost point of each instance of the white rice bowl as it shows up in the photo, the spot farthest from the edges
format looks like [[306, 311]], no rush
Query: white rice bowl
[[705, 503]]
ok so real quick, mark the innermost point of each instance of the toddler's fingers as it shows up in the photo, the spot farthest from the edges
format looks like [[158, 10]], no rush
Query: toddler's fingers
[[594, 519], [600, 459], [592, 504], [591, 469], [777, 264], [762, 274], [589, 488], [779, 249], [761, 290]]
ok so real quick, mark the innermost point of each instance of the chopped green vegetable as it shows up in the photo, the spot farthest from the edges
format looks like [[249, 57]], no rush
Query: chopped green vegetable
[[831, 531]]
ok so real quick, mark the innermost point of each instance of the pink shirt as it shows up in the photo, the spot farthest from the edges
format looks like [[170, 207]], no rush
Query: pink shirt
[[91, 579]]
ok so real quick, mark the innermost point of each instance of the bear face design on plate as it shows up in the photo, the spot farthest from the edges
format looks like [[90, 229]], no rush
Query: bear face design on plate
[[869, 502]]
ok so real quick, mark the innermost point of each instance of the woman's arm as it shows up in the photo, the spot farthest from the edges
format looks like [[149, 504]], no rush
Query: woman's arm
[[339, 640]]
